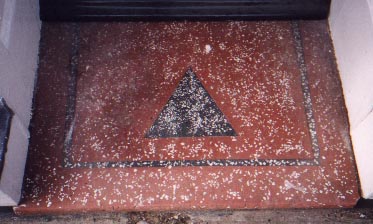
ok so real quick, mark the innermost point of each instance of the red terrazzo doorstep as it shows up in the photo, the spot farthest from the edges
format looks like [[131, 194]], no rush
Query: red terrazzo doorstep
[[122, 89], [125, 76]]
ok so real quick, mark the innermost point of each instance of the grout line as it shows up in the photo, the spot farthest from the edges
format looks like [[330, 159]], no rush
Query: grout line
[[71, 96]]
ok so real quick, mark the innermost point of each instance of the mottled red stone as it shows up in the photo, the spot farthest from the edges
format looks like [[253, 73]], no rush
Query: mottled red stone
[[126, 72]]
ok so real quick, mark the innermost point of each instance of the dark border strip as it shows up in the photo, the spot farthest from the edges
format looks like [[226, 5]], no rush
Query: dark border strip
[[150, 10], [6, 115], [70, 122]]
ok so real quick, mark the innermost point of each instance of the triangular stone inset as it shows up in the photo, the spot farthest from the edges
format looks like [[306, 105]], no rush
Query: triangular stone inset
[[190, 112]]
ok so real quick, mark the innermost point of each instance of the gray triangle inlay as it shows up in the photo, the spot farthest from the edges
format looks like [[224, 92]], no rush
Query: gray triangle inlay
[[190, 112]]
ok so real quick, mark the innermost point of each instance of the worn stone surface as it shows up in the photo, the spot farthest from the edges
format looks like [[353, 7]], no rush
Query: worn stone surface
[[176, 217], [102, 87]]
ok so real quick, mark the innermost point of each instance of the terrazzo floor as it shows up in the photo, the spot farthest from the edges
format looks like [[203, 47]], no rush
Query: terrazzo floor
[[188, 115]]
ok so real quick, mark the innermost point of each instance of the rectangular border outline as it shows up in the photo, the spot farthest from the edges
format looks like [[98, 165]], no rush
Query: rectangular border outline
[[70, 122]]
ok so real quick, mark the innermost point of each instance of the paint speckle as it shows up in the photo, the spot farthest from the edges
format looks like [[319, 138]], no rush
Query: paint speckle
[[208, 48]]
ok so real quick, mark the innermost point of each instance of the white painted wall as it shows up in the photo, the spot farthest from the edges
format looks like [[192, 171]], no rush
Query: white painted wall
[[351, 25], [19, 42]]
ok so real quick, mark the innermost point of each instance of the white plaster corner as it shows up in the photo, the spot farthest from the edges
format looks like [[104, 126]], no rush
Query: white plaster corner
[[351, 26], [19, 44], [362, 140]]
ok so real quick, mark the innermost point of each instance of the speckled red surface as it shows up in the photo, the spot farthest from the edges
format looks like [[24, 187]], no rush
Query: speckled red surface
[[101, 86]]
